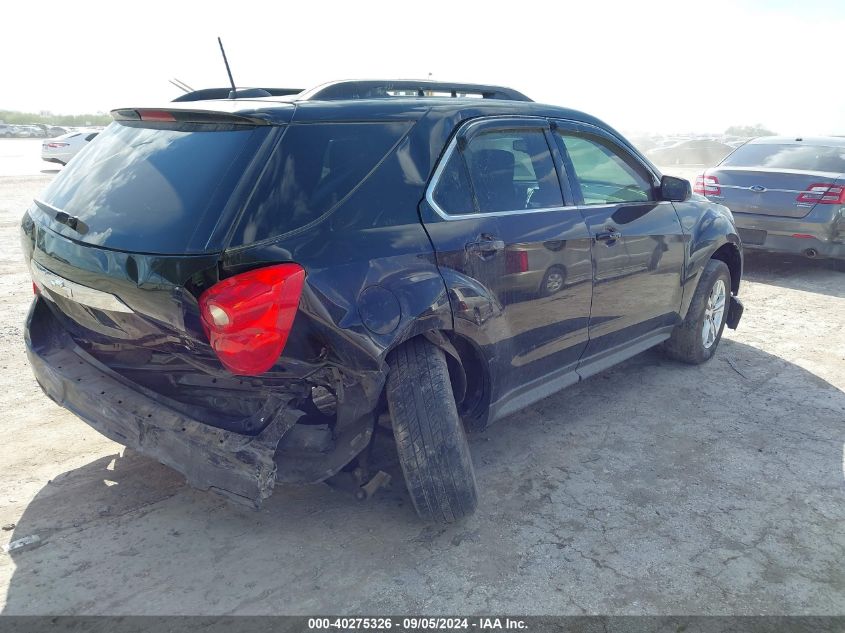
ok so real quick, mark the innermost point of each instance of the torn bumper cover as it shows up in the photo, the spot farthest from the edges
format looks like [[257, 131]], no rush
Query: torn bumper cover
[[241, 467]]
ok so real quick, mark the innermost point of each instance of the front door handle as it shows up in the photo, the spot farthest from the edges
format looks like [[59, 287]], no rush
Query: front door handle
[[608, 236], [485, 247]]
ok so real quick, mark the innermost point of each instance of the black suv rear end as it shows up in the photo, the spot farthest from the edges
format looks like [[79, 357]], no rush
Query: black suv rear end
[[163, 260], [241, 288]]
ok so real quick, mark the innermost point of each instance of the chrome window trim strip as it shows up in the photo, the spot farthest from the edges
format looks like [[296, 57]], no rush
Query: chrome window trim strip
[[51, 283]]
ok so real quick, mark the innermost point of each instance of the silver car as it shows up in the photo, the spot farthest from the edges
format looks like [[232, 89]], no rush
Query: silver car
[[786, 194]]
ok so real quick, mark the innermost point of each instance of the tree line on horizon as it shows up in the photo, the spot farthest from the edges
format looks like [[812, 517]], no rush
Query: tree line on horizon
[[749, 130], [15, 117]]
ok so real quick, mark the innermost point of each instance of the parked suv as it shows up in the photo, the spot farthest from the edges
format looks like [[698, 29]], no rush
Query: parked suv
[[244, 288]]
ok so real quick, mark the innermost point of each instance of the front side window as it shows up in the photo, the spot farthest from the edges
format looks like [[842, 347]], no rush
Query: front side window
[[604, 176], [500, 170]]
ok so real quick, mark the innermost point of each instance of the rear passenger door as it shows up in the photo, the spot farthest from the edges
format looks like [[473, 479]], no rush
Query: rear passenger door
[[637, 243], [514, 251]]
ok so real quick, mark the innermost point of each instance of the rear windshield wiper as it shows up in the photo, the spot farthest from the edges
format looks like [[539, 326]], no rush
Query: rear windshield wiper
[[70, 221]]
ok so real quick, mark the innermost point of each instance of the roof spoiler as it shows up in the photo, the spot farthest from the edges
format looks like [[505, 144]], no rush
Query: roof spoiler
[[380, 89], [178, 115], [207, 94]]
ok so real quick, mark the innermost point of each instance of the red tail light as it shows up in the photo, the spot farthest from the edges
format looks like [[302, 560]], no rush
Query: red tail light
[[248, 317], [57, 145], [823, 193], [707, 186], [516, 261]]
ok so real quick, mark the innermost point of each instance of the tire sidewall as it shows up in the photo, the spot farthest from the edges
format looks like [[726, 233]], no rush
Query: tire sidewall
[[716, 270], [430, 438]]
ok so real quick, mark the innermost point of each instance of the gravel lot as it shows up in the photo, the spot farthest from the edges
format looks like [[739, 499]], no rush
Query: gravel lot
[[653, 488]]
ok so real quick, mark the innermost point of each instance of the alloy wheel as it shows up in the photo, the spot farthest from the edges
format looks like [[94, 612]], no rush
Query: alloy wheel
[[714, 312]]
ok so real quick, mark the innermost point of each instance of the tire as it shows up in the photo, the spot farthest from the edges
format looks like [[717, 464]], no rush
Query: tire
[[430, 438], [687, 342], [553, 281]]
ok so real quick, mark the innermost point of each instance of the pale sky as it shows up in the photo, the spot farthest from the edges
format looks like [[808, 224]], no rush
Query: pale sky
[[641, 66]]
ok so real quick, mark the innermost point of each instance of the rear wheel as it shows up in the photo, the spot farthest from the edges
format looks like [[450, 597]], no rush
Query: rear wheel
[[695, 340], [553, 281], [430, 438]]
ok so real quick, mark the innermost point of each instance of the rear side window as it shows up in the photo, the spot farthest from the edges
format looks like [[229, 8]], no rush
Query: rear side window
[[603, 173], [512, 170], [453, 193], [505, 170], [152, 190], [315, 166], [800, 157]]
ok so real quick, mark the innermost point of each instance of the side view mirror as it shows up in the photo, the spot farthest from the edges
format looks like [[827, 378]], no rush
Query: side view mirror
[[675, 189]]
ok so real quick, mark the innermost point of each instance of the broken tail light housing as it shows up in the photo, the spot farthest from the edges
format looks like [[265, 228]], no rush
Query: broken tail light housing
[[247, 318], [707, 185], [823, 193]]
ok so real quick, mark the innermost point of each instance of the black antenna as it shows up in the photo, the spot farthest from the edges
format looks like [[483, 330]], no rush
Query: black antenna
[[228, 70]]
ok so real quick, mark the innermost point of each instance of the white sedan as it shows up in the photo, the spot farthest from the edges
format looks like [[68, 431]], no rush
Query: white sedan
[[62, 148]]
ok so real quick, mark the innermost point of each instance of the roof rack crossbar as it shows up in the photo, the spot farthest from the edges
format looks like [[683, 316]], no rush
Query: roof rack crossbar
[[381, 89]]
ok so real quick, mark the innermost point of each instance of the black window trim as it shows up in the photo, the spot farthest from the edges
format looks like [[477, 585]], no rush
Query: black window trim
[[474, 127]]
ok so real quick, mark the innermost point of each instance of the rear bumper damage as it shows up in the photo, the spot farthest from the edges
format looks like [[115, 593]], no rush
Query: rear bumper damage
[[242, 467]]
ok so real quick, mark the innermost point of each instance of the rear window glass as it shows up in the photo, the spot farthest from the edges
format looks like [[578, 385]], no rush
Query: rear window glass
[[314, 168], [801, 157], [152, 190]]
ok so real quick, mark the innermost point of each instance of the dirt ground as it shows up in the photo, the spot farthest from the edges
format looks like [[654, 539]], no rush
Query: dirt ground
[[652, 488]]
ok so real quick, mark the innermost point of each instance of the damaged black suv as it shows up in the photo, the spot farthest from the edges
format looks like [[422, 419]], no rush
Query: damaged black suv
[[243, 288]]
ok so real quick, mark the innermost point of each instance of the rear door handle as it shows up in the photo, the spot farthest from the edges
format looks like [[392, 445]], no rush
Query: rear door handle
[[485, 248]]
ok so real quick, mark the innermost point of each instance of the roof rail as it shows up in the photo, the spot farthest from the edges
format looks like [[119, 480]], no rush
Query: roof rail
[[386, 88], [243, 93]]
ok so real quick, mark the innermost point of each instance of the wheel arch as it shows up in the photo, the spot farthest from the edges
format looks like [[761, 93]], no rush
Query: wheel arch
[[468, 372], [730, 254]]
